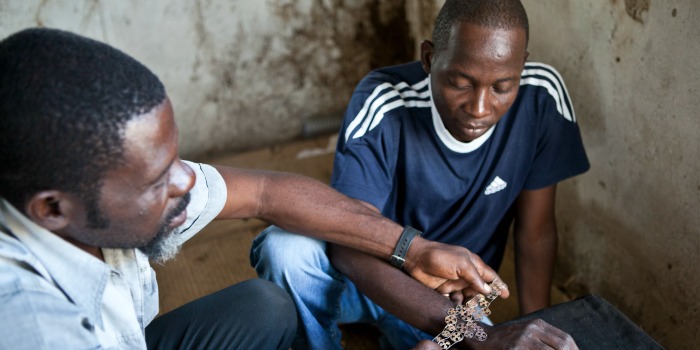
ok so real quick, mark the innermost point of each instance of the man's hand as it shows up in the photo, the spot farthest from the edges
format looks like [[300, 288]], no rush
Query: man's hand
[[447, 268], [426, 345], [534, 334]]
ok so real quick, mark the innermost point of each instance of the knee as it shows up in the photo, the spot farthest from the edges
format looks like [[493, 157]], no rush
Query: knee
[[276, 251], [269, 314], [273, 301]]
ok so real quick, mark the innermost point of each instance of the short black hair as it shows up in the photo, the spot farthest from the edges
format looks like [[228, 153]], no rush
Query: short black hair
[[502, 14], [64, 102]]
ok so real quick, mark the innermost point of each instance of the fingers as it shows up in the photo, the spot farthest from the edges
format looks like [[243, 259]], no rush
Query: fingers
[[474, 277], [532, 334], [429, 280], [467, 270], [452, 286], [470, 284], [556, 338], [487, 275], [442, 266], [457, 297], [426, 345]]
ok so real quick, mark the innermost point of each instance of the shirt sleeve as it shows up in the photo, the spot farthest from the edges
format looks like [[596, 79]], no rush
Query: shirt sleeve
[[560, 153], [207, 199], [365, 159]]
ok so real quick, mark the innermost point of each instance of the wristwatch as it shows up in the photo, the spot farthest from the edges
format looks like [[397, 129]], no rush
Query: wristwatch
[[399, 256]]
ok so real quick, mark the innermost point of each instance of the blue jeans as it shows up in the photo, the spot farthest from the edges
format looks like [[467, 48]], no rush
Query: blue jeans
[[323, 296]]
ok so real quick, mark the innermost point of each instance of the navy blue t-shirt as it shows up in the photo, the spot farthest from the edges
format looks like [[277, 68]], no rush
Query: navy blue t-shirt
[[395, 153]]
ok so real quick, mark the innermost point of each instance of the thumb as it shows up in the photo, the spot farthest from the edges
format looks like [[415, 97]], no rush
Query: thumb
[[426, 345]]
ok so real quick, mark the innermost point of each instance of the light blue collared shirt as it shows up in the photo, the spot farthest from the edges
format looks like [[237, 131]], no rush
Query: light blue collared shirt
[[54, 295]]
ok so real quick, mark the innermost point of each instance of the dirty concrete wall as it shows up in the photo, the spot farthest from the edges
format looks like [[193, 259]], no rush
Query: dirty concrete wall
[[240, 74], [630, 227]]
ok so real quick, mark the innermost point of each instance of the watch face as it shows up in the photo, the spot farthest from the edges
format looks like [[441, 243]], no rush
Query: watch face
[[397, 261]]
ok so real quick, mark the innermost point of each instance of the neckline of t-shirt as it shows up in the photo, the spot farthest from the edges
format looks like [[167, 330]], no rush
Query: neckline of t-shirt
[[447, 139]]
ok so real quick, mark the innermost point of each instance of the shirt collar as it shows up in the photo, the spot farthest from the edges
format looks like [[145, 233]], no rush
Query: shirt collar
[[447, 139], [80, 276]]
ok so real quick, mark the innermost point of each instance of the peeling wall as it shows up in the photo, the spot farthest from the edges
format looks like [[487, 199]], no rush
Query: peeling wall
[[630, 227], [240, 74]]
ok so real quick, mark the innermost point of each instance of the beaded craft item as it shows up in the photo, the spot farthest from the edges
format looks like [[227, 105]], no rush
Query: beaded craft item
[[462, 320]]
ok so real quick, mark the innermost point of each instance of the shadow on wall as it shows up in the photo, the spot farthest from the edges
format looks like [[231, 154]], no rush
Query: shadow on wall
[[309, 66]]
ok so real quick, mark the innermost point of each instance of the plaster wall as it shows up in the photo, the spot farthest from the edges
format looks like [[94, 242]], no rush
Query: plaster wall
[[240, 74], [630, 227]]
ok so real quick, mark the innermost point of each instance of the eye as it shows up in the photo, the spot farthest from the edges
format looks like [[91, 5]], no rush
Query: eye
[[163, 182], [502, 90], [460, 83], [158, 186]]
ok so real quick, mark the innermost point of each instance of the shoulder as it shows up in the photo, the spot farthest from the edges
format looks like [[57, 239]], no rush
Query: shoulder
[[35, 315], [18, 281], [407, 73], [407, 78], [386, 92], [542, 84]]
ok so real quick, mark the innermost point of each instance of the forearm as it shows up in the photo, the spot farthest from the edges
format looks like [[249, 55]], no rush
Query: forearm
[[535, 247], [309, 207], [399, 294], [393, 290], [535, 256]]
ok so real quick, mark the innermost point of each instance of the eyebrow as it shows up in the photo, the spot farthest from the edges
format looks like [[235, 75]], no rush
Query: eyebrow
[[501, 80]]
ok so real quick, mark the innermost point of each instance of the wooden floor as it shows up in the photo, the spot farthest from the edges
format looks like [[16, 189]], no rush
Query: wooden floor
[[218, 256]]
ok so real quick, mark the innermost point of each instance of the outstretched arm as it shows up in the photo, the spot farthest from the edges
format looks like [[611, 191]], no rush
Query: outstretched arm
[[426, 309], [309, 207], [535, 236]]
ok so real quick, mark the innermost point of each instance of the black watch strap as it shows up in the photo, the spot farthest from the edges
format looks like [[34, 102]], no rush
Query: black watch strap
[[399, 256]]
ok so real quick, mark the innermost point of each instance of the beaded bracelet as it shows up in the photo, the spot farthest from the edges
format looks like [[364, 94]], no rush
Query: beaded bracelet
[[469, 314]]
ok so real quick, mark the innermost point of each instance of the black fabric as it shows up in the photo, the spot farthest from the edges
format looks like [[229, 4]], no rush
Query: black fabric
[[254, 314], [595, 324]]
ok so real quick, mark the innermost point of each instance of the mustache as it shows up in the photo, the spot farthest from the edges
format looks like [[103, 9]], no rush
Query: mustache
[[164, 247]]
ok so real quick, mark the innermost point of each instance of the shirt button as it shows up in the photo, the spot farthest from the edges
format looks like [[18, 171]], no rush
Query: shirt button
[[86, 324]]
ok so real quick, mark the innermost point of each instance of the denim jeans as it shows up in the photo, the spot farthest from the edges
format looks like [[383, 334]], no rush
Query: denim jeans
[[323, 296]]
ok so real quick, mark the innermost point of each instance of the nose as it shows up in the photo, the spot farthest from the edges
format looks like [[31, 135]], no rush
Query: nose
[[181, 180], [480, 105]]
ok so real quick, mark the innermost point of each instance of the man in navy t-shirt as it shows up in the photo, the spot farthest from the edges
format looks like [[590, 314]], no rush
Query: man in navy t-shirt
[[456, 177], [458, 146]]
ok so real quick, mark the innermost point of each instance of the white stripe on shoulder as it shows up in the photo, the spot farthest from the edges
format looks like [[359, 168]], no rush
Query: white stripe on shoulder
[[389, 106], [540, 74], [361, 114], [378, 103]]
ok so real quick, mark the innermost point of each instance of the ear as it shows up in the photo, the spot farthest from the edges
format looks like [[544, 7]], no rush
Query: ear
[[49, 209], [527, 54], [426, 55]]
